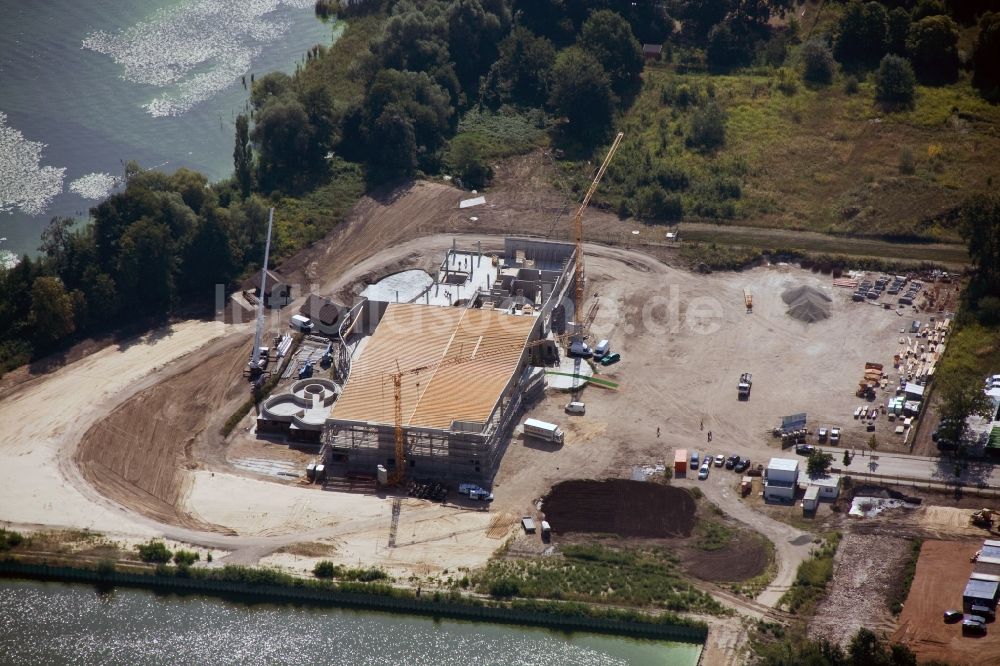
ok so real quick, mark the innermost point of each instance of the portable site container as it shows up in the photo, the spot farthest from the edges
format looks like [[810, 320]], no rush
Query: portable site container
[[680, 461]]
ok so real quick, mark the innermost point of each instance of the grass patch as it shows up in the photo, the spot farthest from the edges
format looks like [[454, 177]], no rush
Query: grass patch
[[597, 574], [801, 157], [504, 133], [812, 577], [713, 535], [10, 539]]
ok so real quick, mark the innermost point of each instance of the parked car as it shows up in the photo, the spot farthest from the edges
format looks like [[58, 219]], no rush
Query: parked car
[[720, 460], [951, 616], [731, 462], [703, 471], [822, 434], [611, 359], [805, 449], [834, 435], [743, 465], [973, 624], [694, 459]]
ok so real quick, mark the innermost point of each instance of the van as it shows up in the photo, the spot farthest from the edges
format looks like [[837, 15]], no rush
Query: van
[[300, 323], [576, 407], [602, 348]]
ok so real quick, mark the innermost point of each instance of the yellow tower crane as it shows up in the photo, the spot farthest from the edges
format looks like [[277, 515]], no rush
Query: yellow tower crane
[[578, 231]]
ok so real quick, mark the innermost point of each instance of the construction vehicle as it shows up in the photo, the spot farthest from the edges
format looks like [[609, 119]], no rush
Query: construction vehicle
[[983, 518], [306, 371], [746, 381], [748, 300], [577, 345], [548, 432]]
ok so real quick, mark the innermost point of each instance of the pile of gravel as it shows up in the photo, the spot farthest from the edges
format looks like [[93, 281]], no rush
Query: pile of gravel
[[807, 303]]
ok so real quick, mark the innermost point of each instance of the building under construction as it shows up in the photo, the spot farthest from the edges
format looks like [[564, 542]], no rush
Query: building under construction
[[450, 365]]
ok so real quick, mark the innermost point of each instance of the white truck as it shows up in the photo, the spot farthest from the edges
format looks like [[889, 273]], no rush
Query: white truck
[[548, 432], [746, 381], [301, 324]]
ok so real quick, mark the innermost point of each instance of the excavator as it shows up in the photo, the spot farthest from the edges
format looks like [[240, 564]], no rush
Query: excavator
[[983, 518]]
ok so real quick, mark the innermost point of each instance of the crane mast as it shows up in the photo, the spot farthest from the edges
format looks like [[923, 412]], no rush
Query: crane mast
[[578, 231]]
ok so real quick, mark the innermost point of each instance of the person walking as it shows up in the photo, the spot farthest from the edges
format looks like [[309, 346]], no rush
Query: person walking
[[657, 432], [710, 435]]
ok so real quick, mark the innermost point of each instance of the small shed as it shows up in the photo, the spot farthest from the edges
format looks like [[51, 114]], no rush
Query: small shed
[[914, 391], [782, 479], [827, 485], [652, 51], [528, 523], [811, 499]]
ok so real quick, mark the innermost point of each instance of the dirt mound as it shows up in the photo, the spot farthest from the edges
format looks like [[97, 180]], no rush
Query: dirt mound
[[745, 558], [807, 303], [618, 506]]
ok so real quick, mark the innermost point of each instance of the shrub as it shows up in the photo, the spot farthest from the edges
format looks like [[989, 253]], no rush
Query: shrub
[[851, 85], [708, 127], [817, 62], [504, 588], [325, 569], [154, 551], [895, 82], [10, 539], [185, 558]]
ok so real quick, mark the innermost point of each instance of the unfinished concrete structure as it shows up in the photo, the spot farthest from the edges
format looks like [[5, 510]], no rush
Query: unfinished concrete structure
[[465, 351]]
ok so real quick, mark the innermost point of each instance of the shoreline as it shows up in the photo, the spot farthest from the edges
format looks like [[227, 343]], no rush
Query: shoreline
[[384, 598]]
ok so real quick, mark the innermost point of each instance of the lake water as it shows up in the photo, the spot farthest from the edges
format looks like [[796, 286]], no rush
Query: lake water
[[54, 623], [88, 86]]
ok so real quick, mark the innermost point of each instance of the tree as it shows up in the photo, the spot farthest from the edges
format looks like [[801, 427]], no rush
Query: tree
[[728, 46], [51, 310], [473, 33], [146, 267], [873, 443], [393, 146], [927, 8], [862, 35], [243, 156], [986, 57], [700, 16], [818, 463], [899, 30], [847, 458], [324, 569], [607, 36], [522, 71], [962, 396], [708, 127], [933, 47], [980, 227], [284, 138], [818, 65], [895, 82], [467, 160], [581, 93]]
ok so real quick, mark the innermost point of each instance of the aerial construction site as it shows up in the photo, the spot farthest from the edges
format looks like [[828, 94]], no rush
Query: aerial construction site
[[419, 355]]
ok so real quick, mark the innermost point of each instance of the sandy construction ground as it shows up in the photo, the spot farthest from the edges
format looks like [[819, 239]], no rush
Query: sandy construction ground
[[41, 421], [430, 537], [942, 572]]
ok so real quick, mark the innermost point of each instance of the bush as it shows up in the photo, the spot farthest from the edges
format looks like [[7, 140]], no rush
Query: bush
[[818, 65], [154, 551], [895, 82], [851, 85], [325, 569], [185, 558], [504, 588], [10, 539], [708, 127]]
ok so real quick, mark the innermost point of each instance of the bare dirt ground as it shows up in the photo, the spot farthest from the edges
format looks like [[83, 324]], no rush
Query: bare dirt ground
[[863, 574], [942, 571]]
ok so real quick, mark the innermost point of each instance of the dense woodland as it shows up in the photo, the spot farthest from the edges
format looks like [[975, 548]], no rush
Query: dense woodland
[[425, 87]]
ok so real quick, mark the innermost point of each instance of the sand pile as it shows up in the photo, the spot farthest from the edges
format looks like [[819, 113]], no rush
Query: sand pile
[[807, 303]]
